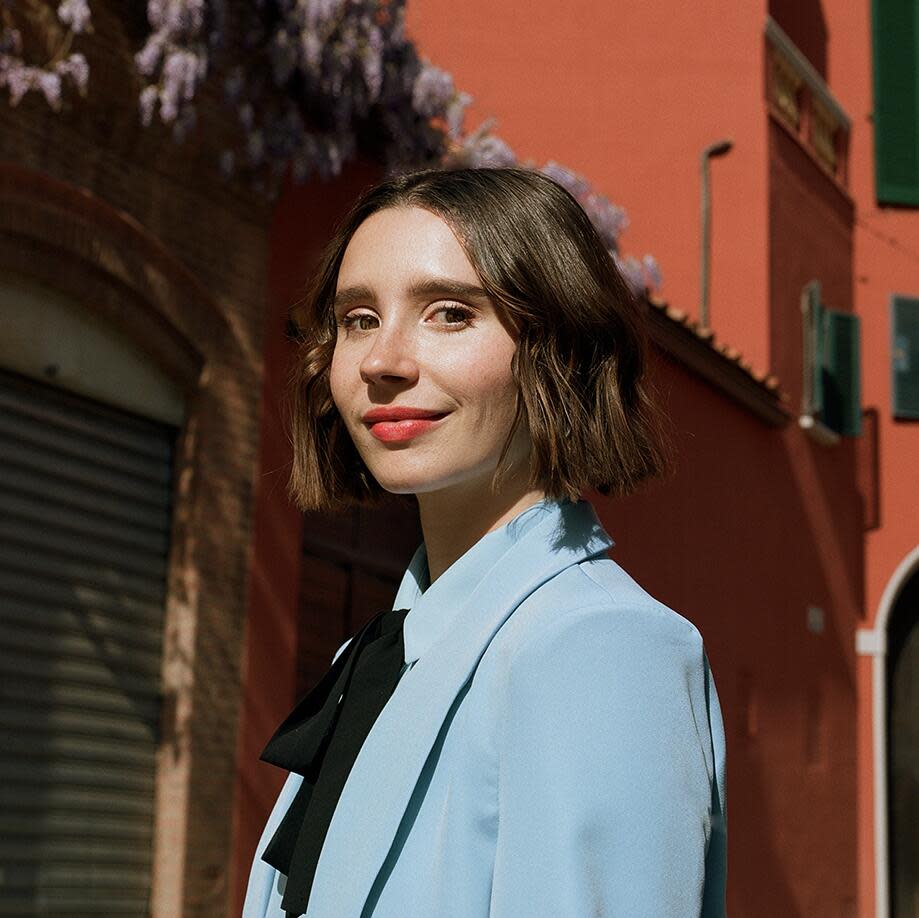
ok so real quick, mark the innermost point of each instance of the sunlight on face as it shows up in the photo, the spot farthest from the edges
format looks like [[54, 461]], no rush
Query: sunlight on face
[[416, 331]]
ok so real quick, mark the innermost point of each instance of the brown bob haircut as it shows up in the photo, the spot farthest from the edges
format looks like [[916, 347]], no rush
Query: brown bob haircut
[[581, 350]]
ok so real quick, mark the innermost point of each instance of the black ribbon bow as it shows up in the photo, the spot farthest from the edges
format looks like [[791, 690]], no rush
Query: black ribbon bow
[[320, 739]]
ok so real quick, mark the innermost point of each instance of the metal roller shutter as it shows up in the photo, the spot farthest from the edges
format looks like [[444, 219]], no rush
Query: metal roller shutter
[[84, 530]]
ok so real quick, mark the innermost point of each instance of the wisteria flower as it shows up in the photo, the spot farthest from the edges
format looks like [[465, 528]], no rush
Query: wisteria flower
[[148, 97], [432, 92], [570, 181], [50, 85], [75, 14], [75, 68], [610, 221]]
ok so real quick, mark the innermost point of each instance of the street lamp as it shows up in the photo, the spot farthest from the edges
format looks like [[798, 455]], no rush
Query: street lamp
[[709, 153]]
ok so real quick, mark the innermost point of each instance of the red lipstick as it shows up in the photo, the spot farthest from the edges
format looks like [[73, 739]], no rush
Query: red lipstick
[[394, 424]]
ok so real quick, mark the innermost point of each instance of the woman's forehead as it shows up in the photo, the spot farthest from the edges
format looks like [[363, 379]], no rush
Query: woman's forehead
[[408, 245]]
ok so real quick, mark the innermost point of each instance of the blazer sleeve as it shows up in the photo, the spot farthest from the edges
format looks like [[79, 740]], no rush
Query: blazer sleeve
[[610, 774]]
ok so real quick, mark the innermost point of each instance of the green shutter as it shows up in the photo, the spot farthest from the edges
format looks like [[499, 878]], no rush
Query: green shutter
[[842, 410], [905, 354], [896, 100], [831, 357], [812, 321]]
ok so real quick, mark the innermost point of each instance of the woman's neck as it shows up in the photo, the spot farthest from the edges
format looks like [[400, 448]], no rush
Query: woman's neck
[[453, 520]]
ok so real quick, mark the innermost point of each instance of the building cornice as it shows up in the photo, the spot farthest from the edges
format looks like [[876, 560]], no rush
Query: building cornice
[[718, 364]]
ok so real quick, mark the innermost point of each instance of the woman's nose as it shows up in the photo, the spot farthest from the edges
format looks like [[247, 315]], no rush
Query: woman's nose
[[390, 358]]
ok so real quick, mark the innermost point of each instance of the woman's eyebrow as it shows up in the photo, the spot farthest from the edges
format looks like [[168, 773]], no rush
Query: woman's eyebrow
[[428, 287], [350, 296], [448, 287]]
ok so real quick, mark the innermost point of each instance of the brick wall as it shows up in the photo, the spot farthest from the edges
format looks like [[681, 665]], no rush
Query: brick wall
[[145, 231]]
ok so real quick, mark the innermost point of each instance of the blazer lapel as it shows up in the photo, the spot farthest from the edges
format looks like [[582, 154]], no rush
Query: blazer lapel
[[390, 762]]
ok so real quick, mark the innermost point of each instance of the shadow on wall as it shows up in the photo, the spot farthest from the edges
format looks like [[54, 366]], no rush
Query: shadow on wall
[[804, 23]]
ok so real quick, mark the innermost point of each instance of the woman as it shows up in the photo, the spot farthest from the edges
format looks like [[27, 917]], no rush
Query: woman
[[528, 732]]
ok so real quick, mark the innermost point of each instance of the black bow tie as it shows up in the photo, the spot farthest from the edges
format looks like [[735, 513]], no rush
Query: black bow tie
[[320, 739]]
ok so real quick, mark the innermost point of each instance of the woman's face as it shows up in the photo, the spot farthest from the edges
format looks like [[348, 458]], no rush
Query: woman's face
[[417, 335]]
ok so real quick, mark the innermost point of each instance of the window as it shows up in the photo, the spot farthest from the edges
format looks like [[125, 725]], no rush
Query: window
[[831, 391], [905, 352], [895, 32]]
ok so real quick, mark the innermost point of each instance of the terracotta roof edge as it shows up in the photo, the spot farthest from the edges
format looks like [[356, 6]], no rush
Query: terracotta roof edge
[[721, 365]]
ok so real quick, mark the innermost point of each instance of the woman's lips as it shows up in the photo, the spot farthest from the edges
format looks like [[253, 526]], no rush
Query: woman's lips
[[396, 431]]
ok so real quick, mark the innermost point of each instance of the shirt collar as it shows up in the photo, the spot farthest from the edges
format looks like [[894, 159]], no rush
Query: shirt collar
[[434, 607]]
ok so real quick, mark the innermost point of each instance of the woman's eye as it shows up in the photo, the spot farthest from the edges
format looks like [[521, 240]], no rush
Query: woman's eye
[[455, 315], [360, 321]]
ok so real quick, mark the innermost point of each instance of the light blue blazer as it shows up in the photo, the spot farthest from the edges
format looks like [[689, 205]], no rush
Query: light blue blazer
[[553, 749]]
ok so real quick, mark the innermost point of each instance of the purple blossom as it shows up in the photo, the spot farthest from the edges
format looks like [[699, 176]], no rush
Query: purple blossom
[[50, 85], [483, 149], [175, 57], [148, 58], [608, 219], [75, 14], [356, 70], [169, 102], [176, 16], [75, 68], [432, 92], [148, 97], [334, 158], [570, 181], [372, 60], [641, 276], [397, 31], [632, 273], [310, 51], [181, 71], [652, 272], [156, 13], [341, 67], [19, 80], [456, 113]]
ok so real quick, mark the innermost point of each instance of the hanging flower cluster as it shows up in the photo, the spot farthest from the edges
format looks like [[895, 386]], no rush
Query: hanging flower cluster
[[174, 58], [311, 83], [319, 80], [610, 222], [63, 68]]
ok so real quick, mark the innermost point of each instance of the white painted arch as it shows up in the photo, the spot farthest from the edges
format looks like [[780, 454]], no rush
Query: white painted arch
[[873, 642]]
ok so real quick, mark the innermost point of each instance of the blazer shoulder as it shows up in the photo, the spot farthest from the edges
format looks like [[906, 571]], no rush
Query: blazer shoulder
[[594, 603], [600, 592]]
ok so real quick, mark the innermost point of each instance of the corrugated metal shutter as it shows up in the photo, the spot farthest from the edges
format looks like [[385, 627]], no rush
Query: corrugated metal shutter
[[84, 528]]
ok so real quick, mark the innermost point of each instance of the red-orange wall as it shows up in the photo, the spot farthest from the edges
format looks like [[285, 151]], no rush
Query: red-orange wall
[[757, 524], [629, 95], [886, 262], [760, 525]]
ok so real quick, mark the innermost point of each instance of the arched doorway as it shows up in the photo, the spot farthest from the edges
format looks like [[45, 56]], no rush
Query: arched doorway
[[902, 680]]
